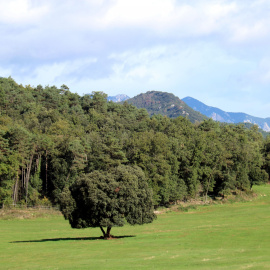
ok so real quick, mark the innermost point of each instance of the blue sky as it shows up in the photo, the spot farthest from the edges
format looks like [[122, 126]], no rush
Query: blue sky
[[217, 51]]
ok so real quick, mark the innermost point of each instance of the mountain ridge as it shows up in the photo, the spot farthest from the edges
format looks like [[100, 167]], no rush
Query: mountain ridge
[[227, 117], [160, 102]]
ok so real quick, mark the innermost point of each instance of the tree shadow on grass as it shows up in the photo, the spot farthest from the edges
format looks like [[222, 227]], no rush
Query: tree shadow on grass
[[72, 239]]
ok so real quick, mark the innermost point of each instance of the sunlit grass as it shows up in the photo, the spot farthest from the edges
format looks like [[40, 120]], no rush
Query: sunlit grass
[[230, 236]]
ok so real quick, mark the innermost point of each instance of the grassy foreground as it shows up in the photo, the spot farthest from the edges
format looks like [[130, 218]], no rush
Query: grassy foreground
[[228, 236]]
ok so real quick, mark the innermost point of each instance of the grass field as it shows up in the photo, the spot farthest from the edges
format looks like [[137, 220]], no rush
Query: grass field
[[223, 236]]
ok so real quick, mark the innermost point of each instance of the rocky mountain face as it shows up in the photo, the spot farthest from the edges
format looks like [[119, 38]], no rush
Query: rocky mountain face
[[118, 98], [227, 117], [163, 103]]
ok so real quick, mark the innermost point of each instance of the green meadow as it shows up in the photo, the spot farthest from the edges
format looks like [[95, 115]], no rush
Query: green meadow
[[234, 235]]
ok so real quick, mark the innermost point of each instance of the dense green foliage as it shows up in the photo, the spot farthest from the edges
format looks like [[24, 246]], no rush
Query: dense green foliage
[[50, 138], [264, 133]]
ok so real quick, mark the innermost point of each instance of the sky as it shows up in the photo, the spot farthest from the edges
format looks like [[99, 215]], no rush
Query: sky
[[217, 51]]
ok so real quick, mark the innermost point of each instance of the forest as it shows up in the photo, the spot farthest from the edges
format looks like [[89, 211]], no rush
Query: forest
[[49, 137]]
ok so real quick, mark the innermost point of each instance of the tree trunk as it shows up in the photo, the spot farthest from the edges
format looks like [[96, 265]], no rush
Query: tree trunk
[[22, 180], [208, 184], [206, 192], [28, 170], [46, 173], [15, 189], [102, 231], [107, 234]]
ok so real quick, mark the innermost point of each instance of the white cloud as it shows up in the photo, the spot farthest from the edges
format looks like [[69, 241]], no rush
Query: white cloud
[[56, 73], [245, 33], [21, 11], [138, 64], [169, 17], [177, 68], [140, 12]]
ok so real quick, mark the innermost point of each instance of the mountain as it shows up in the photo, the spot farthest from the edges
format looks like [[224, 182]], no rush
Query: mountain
[[118, 98], [228, 117], [163, 103]]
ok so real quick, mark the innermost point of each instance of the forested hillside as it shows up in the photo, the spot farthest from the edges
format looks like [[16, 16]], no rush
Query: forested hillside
[[50, 136], [156, 102]]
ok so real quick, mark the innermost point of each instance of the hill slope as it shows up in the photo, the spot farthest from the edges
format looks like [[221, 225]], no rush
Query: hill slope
[[228, 117], [163, 103]]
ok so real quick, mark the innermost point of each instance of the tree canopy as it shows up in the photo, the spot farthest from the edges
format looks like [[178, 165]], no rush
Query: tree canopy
[[108, 199]]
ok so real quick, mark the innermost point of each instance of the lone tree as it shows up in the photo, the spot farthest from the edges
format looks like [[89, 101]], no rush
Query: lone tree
[[108, 199]]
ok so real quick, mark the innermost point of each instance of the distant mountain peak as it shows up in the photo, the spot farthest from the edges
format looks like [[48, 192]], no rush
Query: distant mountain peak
[[118, 98], [227, 117], [157, 102]]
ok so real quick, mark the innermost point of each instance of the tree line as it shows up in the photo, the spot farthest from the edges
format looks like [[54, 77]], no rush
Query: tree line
[[49, 137]]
